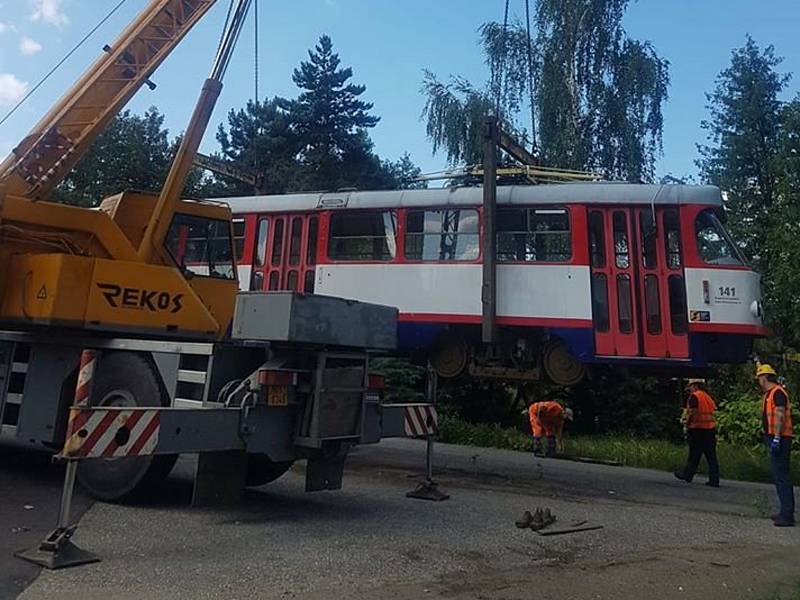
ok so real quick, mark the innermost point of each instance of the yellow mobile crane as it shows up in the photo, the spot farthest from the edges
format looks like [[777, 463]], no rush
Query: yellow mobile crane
[[114, 269], [251, 381]]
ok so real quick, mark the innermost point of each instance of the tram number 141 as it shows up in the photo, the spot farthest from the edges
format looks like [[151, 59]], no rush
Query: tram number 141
[[729, 292]]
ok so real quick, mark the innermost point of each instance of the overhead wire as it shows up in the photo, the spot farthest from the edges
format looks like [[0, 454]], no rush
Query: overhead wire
[[62, 61]]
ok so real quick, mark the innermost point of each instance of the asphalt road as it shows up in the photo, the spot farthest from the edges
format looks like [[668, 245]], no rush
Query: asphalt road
[[30, 491], [659, 537]]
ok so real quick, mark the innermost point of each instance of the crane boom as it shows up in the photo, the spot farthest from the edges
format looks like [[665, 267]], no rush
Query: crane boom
[[61, 137], [225, 169]]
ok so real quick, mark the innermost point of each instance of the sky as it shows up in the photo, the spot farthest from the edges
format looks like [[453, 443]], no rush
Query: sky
[[388, 43]]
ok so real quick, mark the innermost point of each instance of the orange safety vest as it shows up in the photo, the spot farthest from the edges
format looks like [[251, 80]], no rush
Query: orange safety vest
[[770, 411], [544, 416], [703, 416]]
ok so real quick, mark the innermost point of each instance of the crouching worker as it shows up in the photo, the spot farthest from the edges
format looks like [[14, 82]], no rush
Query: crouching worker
[[547, 421]]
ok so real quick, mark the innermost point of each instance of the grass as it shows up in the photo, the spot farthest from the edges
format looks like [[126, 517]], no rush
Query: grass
[[736, 462]]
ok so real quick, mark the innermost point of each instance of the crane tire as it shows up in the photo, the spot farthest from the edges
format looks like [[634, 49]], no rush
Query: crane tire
[[124, 379]]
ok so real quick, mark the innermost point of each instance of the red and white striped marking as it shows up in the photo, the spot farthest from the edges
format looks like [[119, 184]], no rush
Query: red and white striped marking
[[420, 420], [101, 432], [85, 375]]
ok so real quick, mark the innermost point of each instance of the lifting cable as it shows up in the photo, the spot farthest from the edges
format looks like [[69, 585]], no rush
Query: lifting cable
[[255, 56], [61, 62]]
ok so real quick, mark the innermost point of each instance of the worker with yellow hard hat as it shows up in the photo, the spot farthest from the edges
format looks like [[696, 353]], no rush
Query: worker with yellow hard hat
[[776, 413], [701, 432]]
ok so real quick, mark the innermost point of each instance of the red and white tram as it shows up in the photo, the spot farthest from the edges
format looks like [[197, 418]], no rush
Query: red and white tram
[[587, 273]]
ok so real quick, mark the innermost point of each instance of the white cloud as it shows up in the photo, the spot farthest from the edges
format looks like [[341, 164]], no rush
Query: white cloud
[[29, 46], [11, 89], [3, 27], [48, 11]]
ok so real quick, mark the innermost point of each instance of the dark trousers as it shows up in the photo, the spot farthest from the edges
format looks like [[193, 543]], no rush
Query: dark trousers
[[782, 476], [549, 449], [702, 442]]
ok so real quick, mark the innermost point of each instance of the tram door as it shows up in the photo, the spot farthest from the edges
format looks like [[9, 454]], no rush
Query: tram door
[[285, 252], [638, 291]]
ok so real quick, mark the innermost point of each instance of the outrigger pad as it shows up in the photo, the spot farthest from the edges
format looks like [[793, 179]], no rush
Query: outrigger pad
[[58, 552], [428, 490]]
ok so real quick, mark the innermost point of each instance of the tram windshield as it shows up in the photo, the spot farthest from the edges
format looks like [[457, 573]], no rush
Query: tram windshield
[[714, 243]]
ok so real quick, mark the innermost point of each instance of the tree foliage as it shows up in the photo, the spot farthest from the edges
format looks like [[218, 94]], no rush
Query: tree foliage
[[317, 141], [744, 132], [595, 94], [260, 138], [133, 153]]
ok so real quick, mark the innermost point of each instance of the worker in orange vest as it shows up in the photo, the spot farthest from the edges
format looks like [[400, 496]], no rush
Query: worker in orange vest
[[777, 423], [701, 432], [547, 420]]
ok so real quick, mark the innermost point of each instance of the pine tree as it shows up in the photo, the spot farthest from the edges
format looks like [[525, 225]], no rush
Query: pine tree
[[743, 131], [261, 138], [328, 116]]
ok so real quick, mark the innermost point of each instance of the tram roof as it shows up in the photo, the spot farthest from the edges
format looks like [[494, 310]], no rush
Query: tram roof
[[555, 194]]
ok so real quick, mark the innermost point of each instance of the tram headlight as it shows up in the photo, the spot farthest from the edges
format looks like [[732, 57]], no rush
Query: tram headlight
[[755, 309]]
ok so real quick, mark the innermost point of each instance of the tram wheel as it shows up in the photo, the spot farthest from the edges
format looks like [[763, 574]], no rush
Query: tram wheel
[[126, 380], [560, 366], [449, 355]]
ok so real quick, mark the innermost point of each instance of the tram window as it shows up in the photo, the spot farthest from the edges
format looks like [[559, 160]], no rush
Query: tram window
[[713, 242], [277, 243], [260, 258], [672, 239], [597, 239], [624, 303], [533, 235], [652, 304], [648, 233], [291, 281], [239, 226], [311, 249], [450, 234], [257, 281], [308, 285], [621, 246], [274, 280], [677, 304], [367, 235], [600, 302], [296, 239]]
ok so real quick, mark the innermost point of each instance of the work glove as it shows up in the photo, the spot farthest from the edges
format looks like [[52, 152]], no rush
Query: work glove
[[775, 445]]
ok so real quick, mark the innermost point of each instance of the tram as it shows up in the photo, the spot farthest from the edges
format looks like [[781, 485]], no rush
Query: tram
[[588, 274]]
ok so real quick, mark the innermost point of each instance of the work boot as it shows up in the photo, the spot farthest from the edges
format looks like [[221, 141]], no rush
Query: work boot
[[712, 484], [548, 517], [782, 522], [524, 521], [681, 476], [537, 522]]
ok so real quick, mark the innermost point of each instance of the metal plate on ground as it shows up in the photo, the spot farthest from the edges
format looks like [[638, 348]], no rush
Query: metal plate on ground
[[314, 319]]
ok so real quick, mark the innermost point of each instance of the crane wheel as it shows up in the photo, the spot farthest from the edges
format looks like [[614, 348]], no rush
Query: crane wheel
[[449, 355], [261, 470], [561, 367], [124, 379]]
